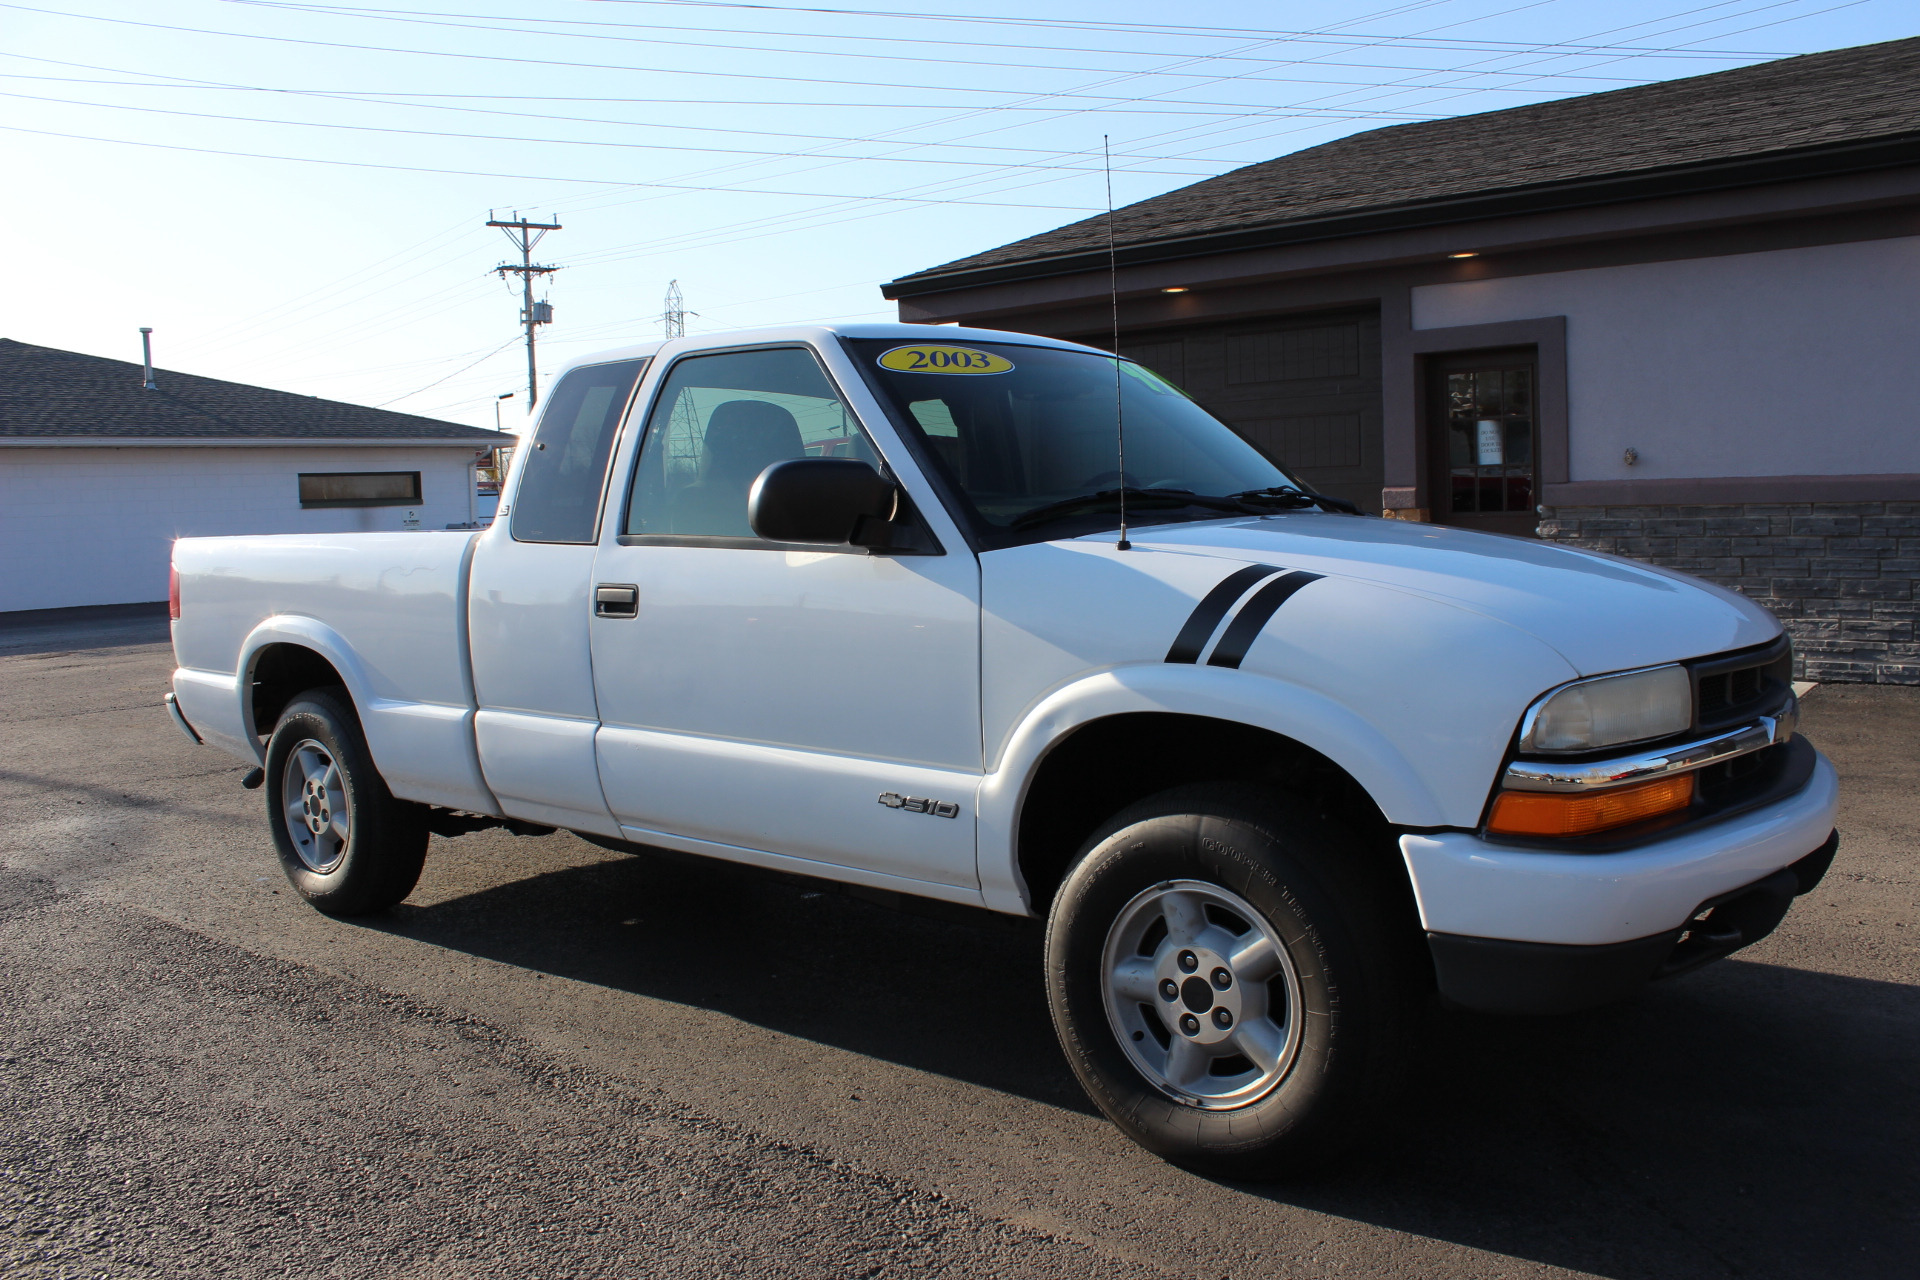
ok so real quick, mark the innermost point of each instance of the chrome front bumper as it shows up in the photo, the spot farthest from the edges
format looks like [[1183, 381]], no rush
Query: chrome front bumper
[[1467, 884]]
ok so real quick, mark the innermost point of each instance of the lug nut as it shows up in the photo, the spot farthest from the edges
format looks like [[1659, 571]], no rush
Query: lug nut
[[1222, 979], [1189, 961], [1168, 991], [1222, 1019], [1190, 1024]]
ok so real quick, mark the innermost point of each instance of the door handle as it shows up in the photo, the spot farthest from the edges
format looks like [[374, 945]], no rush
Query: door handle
[[616, 600]]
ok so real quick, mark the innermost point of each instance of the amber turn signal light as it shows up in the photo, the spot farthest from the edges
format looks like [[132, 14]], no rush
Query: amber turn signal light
[[1543, 813]]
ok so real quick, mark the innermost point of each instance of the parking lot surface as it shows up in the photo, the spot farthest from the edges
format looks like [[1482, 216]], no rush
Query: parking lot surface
[[555, 1060]]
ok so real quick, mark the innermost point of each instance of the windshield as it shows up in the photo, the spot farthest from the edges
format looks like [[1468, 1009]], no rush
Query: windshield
[[1018, 429]]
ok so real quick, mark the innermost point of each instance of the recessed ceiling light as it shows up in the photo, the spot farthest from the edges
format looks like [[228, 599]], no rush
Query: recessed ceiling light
[[1463, 255], [1175, 288]]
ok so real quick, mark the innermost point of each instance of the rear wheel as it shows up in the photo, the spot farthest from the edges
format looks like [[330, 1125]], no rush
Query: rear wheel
[[1229, 982], [346, 844]]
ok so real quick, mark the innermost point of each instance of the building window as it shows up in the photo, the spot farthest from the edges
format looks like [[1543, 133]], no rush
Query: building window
[[359, 488]]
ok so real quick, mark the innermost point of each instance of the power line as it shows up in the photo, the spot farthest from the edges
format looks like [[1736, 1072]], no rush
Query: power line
[[382, 98], [1476, 44], [1325, 35], [480, 22], [456, 373], [256, 320], [818, 217], [541, 62], [494, 137], [835, 160], [1462, 90], [1050, 96], [525, 177], [187, 82]]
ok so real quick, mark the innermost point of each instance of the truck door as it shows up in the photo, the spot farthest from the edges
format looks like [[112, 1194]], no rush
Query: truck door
[[528, 605], [769, 702]]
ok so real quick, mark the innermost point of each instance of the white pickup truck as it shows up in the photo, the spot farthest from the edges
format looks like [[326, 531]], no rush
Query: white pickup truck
[[859, 602]]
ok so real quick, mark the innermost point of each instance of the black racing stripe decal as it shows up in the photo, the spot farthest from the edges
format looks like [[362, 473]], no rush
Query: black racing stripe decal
[[1206, 615], [1247, 624]]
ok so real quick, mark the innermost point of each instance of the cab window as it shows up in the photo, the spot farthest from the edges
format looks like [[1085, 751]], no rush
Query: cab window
[[718, 422], [562, 472]]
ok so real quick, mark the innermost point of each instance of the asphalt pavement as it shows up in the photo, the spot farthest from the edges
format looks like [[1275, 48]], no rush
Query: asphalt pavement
[[555, 1060]]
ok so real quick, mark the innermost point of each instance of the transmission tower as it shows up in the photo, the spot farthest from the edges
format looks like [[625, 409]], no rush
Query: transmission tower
[[673, 321], [524, 236]]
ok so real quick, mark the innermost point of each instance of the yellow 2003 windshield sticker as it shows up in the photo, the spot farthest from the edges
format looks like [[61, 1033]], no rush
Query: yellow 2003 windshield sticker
[[927, 358]]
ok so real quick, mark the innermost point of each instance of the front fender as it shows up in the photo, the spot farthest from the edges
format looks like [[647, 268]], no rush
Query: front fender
[[1416, 699], [1307, 717]]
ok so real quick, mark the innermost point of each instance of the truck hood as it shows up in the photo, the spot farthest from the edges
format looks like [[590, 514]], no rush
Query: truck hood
[[1599, 612]]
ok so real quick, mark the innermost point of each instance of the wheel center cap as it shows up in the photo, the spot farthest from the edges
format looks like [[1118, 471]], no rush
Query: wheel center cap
[[1193, 1002], [314, 801]]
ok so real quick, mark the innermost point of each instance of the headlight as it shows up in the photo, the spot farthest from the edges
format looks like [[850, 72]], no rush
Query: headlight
[[1610, 710]]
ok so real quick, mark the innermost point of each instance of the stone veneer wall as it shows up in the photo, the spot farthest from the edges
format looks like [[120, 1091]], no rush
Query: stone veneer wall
[[1840, 575]]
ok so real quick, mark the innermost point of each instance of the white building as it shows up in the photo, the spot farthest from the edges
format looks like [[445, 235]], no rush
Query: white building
[[98, 474]]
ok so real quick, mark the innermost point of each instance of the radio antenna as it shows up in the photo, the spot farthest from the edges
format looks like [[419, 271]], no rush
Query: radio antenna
[[1113, 295]]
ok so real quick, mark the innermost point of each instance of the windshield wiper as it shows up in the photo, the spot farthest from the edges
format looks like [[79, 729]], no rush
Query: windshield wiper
[[1290, 497], [1159, 499]]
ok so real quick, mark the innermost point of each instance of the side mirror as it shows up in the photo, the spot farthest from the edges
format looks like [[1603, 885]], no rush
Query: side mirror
[[817, 500]]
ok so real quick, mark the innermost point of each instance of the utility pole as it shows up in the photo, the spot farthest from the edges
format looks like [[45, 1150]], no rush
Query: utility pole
[[673, 321], [524, 235]]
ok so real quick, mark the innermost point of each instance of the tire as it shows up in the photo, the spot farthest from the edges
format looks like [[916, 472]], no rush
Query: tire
[[346, 844], [1294, 985]]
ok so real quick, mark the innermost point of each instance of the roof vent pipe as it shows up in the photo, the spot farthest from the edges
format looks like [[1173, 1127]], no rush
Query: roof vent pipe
[[146, 355]]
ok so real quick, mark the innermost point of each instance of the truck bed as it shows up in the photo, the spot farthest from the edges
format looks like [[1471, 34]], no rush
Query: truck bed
[[395, 629]]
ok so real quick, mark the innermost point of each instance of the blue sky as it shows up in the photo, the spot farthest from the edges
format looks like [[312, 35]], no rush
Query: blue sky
[[294, 194]]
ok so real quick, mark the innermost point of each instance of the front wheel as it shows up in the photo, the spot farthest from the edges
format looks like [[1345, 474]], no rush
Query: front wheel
[[346, 844], [1229, 983]]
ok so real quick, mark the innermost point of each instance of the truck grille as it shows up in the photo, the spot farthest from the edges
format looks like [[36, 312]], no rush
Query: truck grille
[[1733, 688]]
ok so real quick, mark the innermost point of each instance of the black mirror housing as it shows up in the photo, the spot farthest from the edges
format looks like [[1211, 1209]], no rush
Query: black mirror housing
[[821, 500]]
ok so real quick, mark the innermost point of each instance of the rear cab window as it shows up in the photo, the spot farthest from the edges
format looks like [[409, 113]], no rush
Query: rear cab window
[[563, 471]]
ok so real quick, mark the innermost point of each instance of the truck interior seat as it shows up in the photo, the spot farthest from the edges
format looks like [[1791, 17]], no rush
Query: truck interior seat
[[744, 438]]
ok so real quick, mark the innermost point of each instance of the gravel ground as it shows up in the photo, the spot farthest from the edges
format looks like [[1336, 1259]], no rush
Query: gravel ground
[[179, 1106], [554, 1060]]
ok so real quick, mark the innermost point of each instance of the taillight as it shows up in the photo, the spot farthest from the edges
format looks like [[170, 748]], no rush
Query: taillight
[[173, 593]]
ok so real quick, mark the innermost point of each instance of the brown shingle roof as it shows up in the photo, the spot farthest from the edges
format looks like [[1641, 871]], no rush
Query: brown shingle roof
[[46, 393], [1844, 99]]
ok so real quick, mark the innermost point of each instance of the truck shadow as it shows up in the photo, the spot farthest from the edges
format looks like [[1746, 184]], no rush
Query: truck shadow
[[1748, 1120], [945, 989]]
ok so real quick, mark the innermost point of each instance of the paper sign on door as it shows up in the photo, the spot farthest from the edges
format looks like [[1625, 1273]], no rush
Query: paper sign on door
[[1489, 443]]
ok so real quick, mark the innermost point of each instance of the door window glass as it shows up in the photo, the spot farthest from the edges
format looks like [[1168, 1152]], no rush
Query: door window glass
[[561, 474], [718, 422], [1490, 440]]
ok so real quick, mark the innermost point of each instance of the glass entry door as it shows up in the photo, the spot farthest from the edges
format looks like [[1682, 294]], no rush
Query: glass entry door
[[1484, 441]]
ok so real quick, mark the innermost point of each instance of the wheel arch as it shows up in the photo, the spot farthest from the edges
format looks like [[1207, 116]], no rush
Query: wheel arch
[[285, 656], [1089, 750]]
